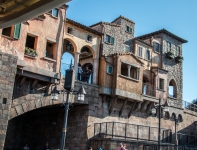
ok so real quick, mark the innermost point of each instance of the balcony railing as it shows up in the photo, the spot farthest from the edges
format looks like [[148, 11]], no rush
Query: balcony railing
[[189, 106], [149, 90], [130, 132]]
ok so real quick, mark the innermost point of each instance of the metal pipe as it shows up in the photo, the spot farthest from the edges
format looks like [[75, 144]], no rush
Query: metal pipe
[[65, 121]]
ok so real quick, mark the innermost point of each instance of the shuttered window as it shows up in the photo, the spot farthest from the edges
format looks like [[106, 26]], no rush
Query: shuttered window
[[17, 31], [140, 51], [109, 39], [161, 84], [156, 47], [147, 54], [128, 29]]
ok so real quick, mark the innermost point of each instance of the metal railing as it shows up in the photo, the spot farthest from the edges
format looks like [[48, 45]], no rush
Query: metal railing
[[148, 89], [130, 132], [169, 147], [189, 106]]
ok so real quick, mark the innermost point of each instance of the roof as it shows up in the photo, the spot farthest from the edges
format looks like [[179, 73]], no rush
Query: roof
[[162, 31], [123, 53], [143, 42], [122, 17], [83, 26], [106, 23]]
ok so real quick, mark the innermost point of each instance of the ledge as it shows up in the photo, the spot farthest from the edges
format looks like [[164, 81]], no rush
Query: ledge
[[150, 98], [46, 58], [8, 37], [89, 41], [129, 78], [69, 34], [30, 56]]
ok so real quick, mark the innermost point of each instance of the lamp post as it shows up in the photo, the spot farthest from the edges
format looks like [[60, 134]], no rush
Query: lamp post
[[68, 86], [176, 122], [153, 110]]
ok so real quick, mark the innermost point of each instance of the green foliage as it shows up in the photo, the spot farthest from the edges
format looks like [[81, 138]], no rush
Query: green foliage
[[31, 52]]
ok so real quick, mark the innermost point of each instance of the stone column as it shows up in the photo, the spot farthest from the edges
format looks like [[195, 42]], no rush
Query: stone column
[[76, 61], [95, 70], [129, 70], [137, 73], [8, 67]]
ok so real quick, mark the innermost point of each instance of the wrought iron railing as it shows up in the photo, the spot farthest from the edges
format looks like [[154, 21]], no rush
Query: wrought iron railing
[[189, 106], [168, 147], [130, 132], [149, 90]]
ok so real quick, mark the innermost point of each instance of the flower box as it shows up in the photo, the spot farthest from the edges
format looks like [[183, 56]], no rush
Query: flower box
[[30, 52], [169, 55], [179, 59]]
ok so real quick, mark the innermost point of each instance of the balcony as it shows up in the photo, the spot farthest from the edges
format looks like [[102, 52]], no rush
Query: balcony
[[149, 90]]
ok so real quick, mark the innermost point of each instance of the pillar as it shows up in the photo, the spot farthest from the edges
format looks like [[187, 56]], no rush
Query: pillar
[[95, 70], [76, 61], [129, 70]]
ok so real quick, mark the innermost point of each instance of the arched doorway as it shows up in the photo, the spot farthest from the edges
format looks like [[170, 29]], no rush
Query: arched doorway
[[85, 67], [172, 89], [67, 60]]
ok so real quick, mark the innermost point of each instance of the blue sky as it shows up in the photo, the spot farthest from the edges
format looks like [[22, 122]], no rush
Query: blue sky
[[177, 16]]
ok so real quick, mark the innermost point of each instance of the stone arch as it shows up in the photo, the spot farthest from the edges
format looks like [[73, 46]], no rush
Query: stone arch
[[90, 49], [73, 44], [173, 116], [167, 115], [172, 89], [180, 118], [145, 79]]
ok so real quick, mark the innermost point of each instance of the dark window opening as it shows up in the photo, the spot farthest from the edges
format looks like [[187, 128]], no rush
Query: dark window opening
[[147, 54], [109, 39], [124, 69], [30, 41], [134, 72], [7, 31], [4, 100], [89, 38], [69, 30], [172, 89], [128, 29], [161, 84], [49, 50]]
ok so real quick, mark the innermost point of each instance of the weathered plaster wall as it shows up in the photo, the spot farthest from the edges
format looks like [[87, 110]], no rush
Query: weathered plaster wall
[[49, 28], [7, 79]]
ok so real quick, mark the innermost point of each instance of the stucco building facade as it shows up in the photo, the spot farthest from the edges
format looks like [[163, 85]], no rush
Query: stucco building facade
[[128, 75]]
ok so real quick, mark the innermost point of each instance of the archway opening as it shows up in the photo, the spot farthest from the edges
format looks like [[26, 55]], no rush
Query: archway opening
[[67, 60], [172, 89], [85, 67]]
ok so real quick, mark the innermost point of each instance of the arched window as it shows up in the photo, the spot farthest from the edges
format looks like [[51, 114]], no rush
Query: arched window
[[172, 89], [173, 117]]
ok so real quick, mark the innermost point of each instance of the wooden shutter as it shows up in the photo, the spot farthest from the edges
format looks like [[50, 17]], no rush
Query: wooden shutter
[[17, 31], [112, 40], [130, 30]]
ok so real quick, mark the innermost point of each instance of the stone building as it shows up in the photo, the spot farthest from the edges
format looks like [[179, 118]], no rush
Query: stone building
[[128, 75]]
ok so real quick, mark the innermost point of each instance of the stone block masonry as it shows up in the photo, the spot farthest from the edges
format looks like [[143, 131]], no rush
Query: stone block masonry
[[8, 67]]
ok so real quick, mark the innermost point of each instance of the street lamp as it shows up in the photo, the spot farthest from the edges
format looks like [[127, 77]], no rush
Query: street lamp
[[68, 87], [153, 111], [176, 122]]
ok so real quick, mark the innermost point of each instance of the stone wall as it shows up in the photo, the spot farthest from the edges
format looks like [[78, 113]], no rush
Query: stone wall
[[7, 78]]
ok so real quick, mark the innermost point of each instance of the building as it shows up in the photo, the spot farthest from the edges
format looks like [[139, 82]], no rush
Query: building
[[128, 75]]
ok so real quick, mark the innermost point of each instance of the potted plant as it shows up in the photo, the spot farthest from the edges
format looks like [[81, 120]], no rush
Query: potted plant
[[179, 59], [169, 55], [30, 52]]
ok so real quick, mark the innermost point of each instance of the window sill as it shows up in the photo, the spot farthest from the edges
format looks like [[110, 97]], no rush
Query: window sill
[[140, 57], [128, 32], [30, 56], [129, 78], [146, 59], [89, 41], [69, 34], [110, 74], [174, 98], [8, 37], [50, 59], [161, 90], [109, 43], [156, 52]]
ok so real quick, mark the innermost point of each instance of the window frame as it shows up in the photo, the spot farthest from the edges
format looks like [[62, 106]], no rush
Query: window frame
[[53, 49], [111, 40], [158, 47], [178, 50], [109, 66], [160, 84], [35, 41], [130, 29], [148, 59], [88, 35], [141, 51], [13, 32], [167, 48], [127, 47], [72, 30], [57, 12]]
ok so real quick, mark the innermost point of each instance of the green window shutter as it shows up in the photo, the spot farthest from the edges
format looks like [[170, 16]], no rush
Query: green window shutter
[[17, 31], [112, 40], [130, 30]]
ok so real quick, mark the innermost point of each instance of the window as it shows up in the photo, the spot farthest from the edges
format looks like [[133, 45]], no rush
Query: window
[[128, 29], [30, 42], [109, 39], [109, 69], [161, 84], [156, 47], [147, 54], [54, 12], [168, 46], [50, 48], [70, 30], [139, 52], [129, 71], [13, 32], [127, 48], [89, 38], [172, 89], [178, 51]]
